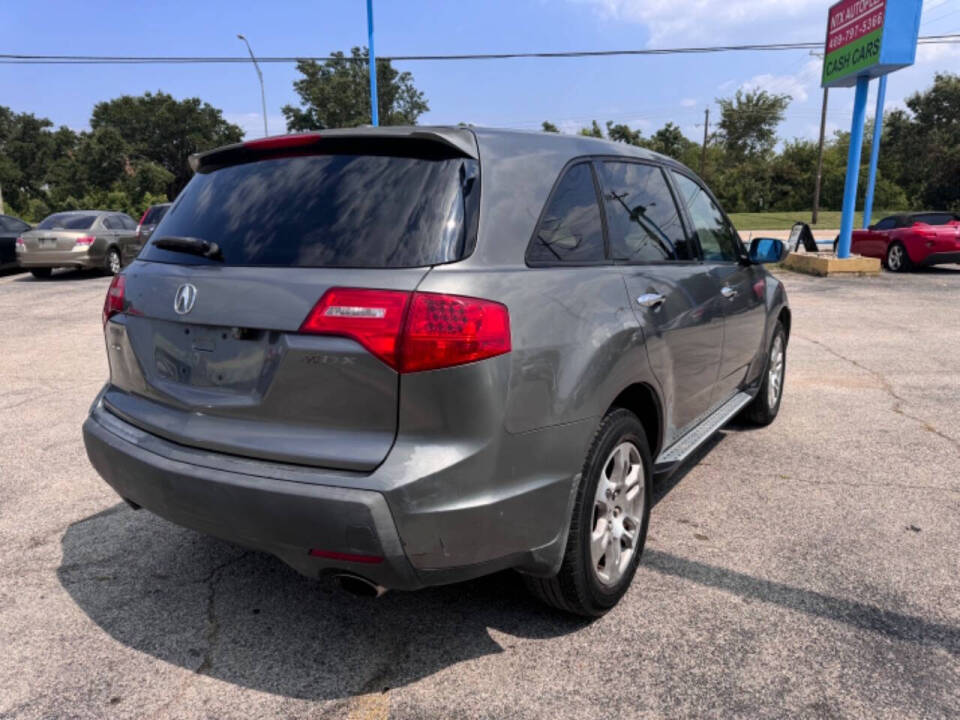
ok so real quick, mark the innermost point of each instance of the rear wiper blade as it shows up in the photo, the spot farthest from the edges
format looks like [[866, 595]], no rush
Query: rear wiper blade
[[191, 245]]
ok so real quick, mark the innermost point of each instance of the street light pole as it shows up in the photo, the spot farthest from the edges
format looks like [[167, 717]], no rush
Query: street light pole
[[263, 95]]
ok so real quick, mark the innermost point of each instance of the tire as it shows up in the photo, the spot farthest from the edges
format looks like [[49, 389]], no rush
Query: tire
[[897, 259], [582, 586], [112, 263], [765, 406], [41, 273]]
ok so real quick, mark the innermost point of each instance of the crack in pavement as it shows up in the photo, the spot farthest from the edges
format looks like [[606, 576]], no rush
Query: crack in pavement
[[887, 387], [213, 624]]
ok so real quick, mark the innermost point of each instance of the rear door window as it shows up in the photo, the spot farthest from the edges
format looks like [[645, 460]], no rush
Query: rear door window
[[112, 222], [886, 224], [570, 230], [718, 239], [643, 224], [365, 211]]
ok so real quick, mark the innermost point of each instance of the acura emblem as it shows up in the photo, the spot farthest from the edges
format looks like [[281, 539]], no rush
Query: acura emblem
[[185, 299]]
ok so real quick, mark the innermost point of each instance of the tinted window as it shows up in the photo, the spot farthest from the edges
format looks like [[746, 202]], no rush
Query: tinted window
[[112, 222], [718, 239], [128, 222], [67, 221], [325, 211], [570, 230], [642, 219], [934, 218], [155, 214], [886, 224]]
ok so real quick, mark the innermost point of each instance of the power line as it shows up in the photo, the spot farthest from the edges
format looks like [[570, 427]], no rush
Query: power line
[[22, 59]]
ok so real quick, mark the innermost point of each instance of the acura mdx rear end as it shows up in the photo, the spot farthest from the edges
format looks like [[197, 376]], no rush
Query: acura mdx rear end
[[336, 348]]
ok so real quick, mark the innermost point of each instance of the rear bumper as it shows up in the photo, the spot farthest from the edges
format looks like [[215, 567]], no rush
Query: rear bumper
[[281, 517], [65, 258], [941, 258], [433, 517]]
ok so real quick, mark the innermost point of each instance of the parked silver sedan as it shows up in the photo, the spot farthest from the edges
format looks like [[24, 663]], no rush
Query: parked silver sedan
[[92, 239]]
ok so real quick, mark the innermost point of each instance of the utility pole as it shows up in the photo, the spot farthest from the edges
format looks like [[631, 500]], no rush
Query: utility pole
[[816, 184], [263, 94], [703, 150]]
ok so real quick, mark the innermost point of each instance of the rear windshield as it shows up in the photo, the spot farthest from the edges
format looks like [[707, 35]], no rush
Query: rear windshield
[[361, 211], [935, 218], [155, 214], [67, 221]]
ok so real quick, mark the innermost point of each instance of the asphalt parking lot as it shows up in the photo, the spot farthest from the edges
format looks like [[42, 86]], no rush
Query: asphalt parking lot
[[809, 569]]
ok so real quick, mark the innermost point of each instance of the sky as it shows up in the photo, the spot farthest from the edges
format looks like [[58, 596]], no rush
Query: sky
[[643, 91]]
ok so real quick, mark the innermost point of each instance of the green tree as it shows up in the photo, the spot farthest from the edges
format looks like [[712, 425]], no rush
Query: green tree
[[336, 93], [548, 126], [160, 129], [670, 140], [748, 123], [28, 148], [624, 133], [921, 148], [592, 131]]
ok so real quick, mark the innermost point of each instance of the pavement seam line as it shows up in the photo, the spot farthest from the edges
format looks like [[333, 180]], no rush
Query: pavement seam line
[[888, 388]]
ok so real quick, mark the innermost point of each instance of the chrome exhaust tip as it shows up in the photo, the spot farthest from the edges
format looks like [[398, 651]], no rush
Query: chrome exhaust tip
[[360, 586]]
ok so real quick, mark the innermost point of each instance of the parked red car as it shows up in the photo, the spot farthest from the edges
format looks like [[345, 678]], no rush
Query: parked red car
[[912, 240]]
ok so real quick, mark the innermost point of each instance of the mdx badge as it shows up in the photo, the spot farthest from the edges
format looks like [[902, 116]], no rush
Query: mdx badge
[[185, 299]]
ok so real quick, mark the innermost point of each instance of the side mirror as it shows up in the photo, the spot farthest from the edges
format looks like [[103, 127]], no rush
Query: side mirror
[[767, 250], [871, 227]]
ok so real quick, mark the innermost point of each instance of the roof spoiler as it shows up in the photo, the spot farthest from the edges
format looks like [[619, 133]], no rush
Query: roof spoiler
[[403, 140]]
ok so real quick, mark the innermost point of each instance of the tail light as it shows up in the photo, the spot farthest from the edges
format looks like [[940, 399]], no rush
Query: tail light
[[113, 303], [374, 318], [21, 244], [283, 142], [85, 240], [445, 330], [140, 224], [413, 332]]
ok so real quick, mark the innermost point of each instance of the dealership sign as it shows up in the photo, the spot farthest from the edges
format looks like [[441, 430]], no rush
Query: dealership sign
[[869, 38]]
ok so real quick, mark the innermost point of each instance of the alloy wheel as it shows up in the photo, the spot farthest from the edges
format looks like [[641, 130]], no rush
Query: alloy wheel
[[895, 258], [775, 373], [617, 513]]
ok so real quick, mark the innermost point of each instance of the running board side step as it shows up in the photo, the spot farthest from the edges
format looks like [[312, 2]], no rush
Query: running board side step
[[684, 447]]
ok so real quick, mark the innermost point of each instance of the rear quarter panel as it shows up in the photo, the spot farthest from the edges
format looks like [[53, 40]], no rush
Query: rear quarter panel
[[576, 342]]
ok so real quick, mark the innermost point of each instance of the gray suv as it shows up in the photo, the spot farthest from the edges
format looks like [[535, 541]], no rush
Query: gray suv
[[412, 356]]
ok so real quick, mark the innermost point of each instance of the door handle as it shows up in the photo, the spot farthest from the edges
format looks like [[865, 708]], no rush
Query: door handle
[[651, 300], [729, 292]]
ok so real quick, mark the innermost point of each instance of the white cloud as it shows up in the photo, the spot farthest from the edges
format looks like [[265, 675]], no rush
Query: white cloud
[[936, 53], [252, 123], [679, 21], [688, 102], [797, 85]]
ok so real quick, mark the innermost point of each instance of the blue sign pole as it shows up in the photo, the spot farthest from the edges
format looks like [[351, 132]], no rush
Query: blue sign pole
[[853, 166], [875, 150], [374, 114]]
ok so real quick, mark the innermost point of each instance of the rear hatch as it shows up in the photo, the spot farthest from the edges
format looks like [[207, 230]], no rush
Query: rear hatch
[[209, 352]]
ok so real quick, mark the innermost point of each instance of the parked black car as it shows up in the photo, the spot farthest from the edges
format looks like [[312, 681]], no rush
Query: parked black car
[[10, 229]]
